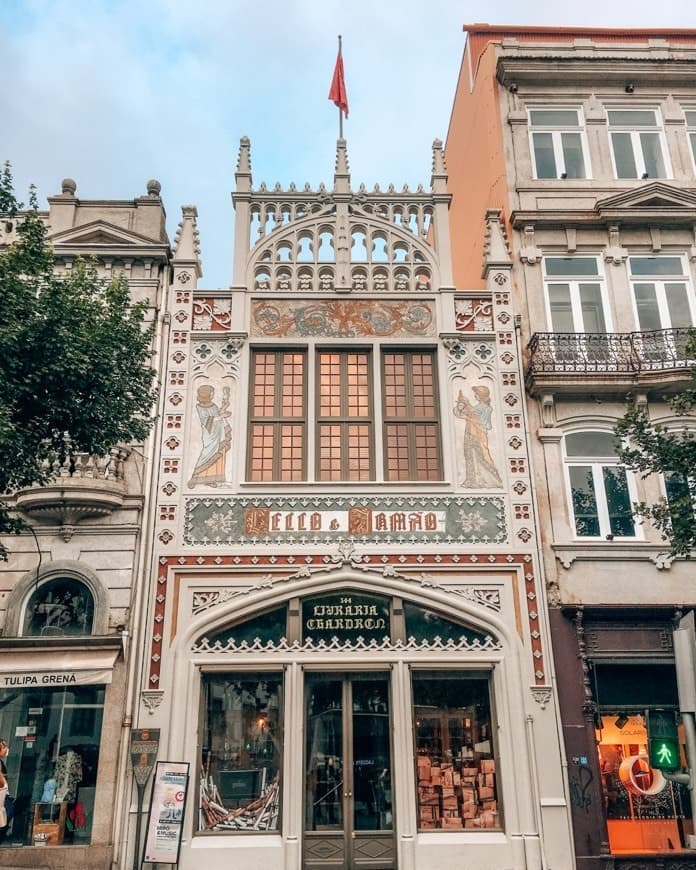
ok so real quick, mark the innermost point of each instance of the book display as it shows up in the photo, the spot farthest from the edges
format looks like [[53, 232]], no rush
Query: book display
[[456, 769]]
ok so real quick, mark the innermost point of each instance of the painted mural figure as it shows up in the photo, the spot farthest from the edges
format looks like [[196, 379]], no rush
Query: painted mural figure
[[217, 437], [480, 470]]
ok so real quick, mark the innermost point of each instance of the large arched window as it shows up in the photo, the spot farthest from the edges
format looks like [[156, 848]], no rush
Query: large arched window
[[59, 607]]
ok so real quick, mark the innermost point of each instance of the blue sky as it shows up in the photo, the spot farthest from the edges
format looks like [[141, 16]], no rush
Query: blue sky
[[114, 93]]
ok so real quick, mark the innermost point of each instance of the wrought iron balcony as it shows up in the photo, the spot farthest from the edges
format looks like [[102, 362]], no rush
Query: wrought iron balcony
[[82, 487], [608, 361]]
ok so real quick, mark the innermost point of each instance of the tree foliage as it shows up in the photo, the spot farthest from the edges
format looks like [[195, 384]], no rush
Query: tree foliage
[[651, 448], [75, 354]]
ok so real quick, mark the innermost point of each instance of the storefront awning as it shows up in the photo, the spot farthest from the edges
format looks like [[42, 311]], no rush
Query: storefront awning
[[44, 668]]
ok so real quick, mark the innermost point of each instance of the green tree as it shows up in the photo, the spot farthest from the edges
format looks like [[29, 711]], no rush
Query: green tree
[[75, 359], [650, 448]]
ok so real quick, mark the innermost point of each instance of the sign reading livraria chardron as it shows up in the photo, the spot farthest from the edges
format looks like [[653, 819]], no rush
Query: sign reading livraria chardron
[[385, 520], [346, 616]]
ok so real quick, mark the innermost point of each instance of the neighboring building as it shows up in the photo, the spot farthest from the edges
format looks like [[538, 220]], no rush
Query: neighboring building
[[70, 590], [585, 139], [346, 635]]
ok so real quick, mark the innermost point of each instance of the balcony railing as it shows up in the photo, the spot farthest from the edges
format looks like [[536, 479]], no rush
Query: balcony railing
[[626, 354], [82, 487]]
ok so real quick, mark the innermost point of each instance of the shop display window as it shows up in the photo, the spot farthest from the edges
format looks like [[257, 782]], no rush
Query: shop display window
[[457, 780], [645, 811], [241, 755], [54, 737]]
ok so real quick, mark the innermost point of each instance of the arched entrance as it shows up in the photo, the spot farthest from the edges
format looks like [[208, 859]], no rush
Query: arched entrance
[[348, 717]]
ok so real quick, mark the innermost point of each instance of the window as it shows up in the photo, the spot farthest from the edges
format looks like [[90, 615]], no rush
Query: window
[[59, 607], [411, 427], [344, 416], [53, 771], [455, 758], [574, 294], [681, 496], [344, 410], [661, 292], [691, 131], [645, 812], [278, 409], [601, 493], [241, 752], [558, 143], [638, 145]]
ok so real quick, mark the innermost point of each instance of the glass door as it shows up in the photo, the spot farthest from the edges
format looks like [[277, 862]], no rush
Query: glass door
[[348, 792]]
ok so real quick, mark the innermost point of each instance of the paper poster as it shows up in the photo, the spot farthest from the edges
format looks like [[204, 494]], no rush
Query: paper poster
[[166, 817]]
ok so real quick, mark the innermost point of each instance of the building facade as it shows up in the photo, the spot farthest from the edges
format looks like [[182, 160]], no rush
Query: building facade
[[583, 138], [70, 591], [345, 636]]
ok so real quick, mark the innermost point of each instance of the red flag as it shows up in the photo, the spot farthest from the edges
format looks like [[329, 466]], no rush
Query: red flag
[[337, 92]]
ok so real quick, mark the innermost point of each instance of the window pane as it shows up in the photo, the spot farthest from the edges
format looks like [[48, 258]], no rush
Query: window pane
[[646, 306], [623, 155], [678, 305], [691, 118], [584, 501], [632, 118], [618, 502], [561, 311], [572, 155], [592, 308], [53, 782], [692, 140], [652, 155], [269, 626], [543, 155], [423, 625], [241, 752], [555, 117], [570, 266], [60, 607], [324, 754], [394, 384], [678, 490], [602, 444], [456, 768], [656, 266]]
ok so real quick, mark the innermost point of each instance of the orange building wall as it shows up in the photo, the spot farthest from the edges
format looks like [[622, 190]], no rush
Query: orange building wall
[[475, 166]]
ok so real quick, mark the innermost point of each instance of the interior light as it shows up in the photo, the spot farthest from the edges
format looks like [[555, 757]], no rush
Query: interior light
[[621, 721]]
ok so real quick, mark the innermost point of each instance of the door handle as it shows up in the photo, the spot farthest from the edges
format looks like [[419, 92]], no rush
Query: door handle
[[347, 794]]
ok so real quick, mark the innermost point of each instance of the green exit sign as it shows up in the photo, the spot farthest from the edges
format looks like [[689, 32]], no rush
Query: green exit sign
[[663, 740]]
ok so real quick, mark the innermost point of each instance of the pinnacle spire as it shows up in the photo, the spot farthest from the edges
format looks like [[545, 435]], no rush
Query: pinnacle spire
[[438, 180], [243, 172], [342, 173], [187, 242]]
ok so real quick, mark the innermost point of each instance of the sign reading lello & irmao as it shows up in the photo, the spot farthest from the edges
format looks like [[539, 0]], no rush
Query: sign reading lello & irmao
[[427, 519]]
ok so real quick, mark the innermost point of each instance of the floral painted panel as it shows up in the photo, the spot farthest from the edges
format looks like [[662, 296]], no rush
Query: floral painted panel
[[344, 319], [473, 315]]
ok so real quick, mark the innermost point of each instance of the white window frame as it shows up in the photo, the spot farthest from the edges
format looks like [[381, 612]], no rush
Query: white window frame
[[556, 133], [636, 146], [691, 134], [660, 292], [597, 463], [574, 286]]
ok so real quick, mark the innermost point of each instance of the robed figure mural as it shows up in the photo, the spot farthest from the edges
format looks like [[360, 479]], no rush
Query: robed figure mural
[[216, 436], [480, 471]]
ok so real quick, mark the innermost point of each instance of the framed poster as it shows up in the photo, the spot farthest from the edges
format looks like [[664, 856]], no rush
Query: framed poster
[[165, 819]]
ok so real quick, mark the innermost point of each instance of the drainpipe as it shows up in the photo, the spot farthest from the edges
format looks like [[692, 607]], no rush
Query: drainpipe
[[142, 587]]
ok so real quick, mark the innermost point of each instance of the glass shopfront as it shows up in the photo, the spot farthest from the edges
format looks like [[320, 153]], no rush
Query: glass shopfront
[[645, 811], [241, 757], [53, 736], [345, 730], [455, 760]]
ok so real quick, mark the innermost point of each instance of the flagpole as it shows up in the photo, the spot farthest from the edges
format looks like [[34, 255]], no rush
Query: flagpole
[[340, 110]]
